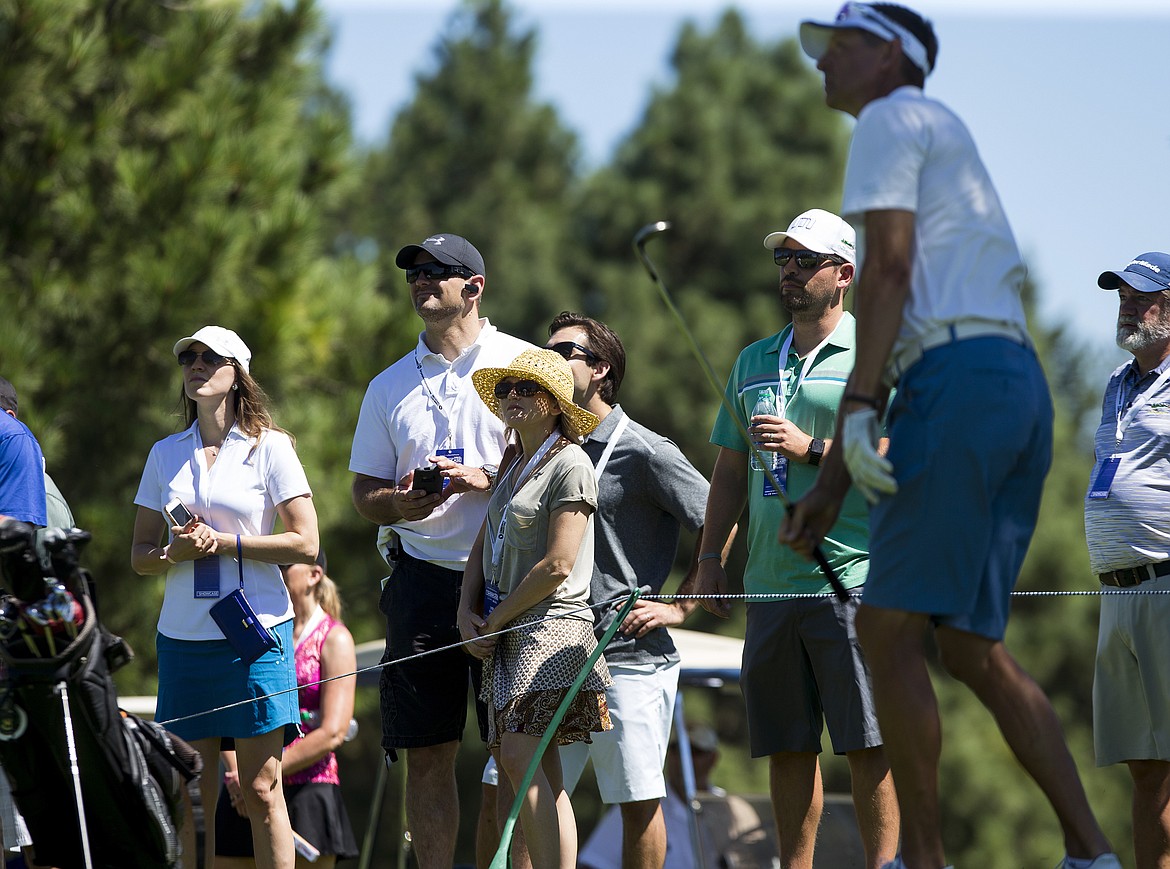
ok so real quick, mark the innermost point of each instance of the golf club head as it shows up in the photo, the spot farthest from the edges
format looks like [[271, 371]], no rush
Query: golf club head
[[648, 230]]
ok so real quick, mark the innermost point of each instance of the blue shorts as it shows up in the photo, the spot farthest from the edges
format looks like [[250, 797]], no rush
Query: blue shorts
[[197, 675], [971, 442]]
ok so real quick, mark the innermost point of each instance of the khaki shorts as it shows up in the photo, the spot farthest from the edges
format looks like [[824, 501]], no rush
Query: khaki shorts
[[1131, 682]]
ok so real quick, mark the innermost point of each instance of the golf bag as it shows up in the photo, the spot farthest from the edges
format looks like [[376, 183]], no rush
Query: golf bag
[[63, 739]]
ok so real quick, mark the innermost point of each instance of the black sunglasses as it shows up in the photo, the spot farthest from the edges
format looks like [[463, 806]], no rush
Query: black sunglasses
[[523, 388], [210, 358], [435, 271], [566, 348], [805, 259]]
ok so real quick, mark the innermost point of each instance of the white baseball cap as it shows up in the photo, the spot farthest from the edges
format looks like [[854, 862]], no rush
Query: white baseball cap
[[223, 341], [820, 231]]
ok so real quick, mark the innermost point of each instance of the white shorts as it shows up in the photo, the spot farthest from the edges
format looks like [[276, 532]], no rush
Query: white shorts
[[627, 760], [1131, 683]]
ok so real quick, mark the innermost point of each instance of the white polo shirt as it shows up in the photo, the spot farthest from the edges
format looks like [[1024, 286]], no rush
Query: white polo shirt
[[238, 495], [912, 153], [404, 420]]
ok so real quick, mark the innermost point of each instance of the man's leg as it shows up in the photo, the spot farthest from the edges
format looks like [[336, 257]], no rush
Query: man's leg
[[907, 710], [643, 835], [1029, 726], [432, 803], [876, 805], [487, 831], [798, 799], [1151, 813]]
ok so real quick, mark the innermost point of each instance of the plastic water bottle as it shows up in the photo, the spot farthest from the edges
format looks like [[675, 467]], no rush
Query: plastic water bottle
[[765, 406]]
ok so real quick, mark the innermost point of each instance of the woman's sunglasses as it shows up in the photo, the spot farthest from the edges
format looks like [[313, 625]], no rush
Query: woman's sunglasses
[[210, 358], [523, 388]]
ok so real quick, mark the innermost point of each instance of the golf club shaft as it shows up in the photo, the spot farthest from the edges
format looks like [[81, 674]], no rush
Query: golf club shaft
[[640, 248]]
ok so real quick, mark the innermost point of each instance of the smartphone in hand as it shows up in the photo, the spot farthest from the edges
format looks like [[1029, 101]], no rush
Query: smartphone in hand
[[177, 513], [429, 480]]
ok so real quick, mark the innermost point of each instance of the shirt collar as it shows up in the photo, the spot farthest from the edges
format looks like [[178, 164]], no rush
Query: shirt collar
[[605, 428], [486, 330], [843, 336]]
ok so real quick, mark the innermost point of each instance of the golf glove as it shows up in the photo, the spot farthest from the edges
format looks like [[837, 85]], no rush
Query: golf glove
[[871, 472]]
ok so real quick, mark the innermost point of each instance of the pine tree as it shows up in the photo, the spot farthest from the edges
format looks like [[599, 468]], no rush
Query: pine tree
[[162, 166]]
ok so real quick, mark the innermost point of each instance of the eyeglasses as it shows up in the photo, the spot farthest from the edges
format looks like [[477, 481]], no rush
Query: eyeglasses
[[566, 348], [805, 259], [435, 271], [523, 388], [210, 358]]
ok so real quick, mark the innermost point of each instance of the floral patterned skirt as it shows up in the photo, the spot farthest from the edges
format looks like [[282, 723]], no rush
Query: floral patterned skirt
[[533, 667]]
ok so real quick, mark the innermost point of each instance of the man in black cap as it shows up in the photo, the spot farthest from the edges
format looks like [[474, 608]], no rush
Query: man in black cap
[[1125, 513], [423, 411]]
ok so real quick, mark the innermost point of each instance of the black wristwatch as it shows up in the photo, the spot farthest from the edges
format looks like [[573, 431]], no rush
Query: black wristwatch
[[816, 451]]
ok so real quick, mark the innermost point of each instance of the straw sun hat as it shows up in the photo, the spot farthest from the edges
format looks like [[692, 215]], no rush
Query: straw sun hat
[[551, 371]]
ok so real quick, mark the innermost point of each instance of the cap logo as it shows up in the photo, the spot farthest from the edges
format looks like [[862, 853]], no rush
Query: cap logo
[[1149, 265], [803, 222], [435, 240]]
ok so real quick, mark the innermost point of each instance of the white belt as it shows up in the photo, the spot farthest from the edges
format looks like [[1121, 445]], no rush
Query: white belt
[[906, 356]]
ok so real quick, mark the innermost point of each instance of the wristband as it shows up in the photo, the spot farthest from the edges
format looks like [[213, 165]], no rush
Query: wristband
[[167, 556], [703, 558], [863, 399]]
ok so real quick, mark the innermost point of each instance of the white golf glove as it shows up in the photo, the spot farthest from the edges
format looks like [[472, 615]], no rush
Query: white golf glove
[[871, 472]]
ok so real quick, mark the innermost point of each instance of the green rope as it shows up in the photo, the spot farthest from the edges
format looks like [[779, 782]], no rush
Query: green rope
[[500, 861]]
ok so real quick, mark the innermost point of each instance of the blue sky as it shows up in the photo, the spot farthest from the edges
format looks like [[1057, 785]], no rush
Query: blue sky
[[1065, 99]]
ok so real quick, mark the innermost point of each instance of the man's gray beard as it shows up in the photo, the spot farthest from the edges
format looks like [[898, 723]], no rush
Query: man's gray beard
[[1147, 335]]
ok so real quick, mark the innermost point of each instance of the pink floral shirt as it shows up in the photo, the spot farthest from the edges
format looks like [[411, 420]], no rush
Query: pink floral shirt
[[308, 659]]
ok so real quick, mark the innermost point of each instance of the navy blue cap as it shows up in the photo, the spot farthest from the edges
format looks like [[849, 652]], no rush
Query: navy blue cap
[[452, 250], [1146, 273]]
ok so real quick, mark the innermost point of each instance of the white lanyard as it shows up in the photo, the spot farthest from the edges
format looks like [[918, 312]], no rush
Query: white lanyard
[[782, 398], [435, 399], [613, 439], [498, 539], [1124, 419]]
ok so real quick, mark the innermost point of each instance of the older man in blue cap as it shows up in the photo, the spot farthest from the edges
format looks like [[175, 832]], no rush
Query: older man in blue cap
[[1125, 513], [955, 500]]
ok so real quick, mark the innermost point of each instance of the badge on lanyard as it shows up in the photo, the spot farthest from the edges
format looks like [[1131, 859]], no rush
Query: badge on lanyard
[[1103, 482], [780, 469], [206, 576], [455, 455], [491, 598]]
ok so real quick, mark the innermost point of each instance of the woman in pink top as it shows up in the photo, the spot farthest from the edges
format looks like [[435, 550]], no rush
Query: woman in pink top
[[324, 648]]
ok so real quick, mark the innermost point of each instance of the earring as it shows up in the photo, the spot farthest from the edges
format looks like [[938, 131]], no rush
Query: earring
[[235, 387]]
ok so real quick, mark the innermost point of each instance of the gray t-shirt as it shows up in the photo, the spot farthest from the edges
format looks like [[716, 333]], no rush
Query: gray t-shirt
[[647, 492], [1125, 529]]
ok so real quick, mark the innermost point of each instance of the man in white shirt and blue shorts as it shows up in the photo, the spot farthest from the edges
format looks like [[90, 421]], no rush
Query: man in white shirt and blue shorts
[[956, 498]]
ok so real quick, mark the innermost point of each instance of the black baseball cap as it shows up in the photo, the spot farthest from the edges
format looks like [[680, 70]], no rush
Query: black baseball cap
[[452, 250], [7, 396]]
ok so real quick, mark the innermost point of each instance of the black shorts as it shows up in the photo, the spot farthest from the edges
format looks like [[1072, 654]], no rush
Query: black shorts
[[424, 701], [316, 811]]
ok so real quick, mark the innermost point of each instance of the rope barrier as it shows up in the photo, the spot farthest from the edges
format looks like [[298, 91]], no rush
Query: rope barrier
[[759, 596]]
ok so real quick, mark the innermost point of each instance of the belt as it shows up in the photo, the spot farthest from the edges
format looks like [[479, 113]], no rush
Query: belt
[[905, 357], [1131, 576]]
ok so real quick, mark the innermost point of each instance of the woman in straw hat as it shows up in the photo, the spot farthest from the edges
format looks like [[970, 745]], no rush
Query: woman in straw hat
[[529, 571]]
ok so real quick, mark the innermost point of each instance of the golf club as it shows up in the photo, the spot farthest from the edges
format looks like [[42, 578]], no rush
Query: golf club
[[640, 239]]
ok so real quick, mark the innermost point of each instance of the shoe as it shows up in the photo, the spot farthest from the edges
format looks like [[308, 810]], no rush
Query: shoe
[[1103, 861]]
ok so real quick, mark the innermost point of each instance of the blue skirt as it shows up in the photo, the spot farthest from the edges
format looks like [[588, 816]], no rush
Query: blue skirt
[[195, 676]]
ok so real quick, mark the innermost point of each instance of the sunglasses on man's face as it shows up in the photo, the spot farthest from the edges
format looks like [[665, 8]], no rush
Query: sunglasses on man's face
[[210, 358], [566, 348], [523, 388], [435, 271], [805, 259]]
